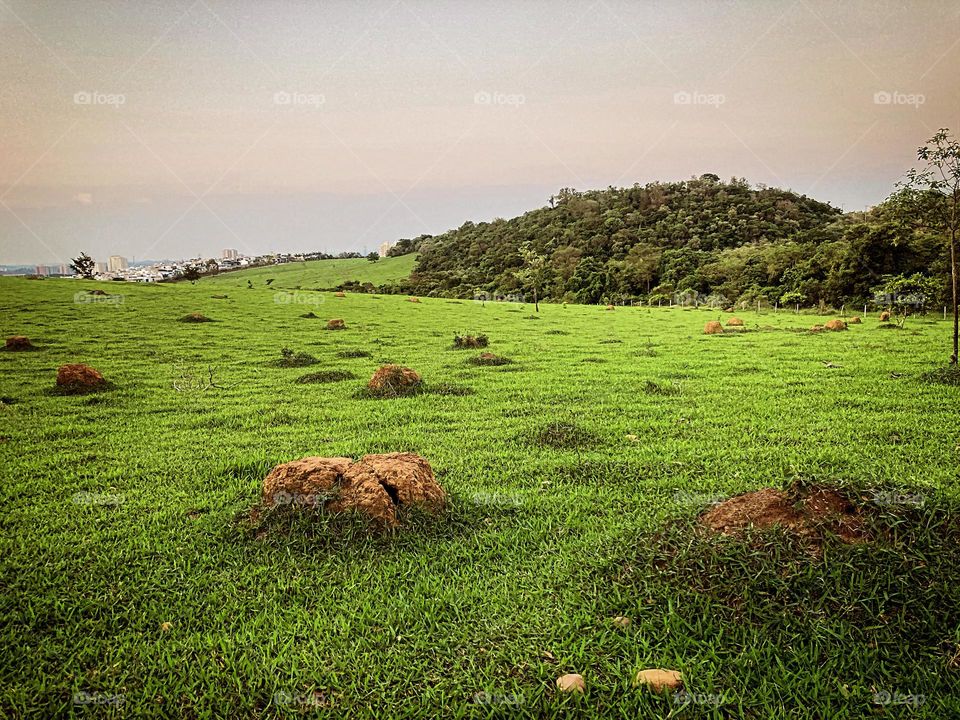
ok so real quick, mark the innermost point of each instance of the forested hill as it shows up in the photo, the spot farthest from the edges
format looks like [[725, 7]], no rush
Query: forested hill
[[701, 235]]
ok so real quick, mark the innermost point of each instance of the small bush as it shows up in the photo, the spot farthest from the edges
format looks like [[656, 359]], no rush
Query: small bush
[[949, 375], [489, 359]]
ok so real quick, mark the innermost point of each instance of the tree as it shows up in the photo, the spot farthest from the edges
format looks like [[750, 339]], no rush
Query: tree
[[84, 266], [534, 274], [929, 198], [373, 257], [191, 273]]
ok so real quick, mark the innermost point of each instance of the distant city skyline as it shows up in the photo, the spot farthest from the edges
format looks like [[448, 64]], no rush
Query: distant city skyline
[[177, 128]]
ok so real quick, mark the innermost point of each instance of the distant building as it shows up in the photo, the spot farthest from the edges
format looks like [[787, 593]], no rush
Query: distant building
[[116, 263], [385, 248], [101, 268], [41, 270], [230, 254]]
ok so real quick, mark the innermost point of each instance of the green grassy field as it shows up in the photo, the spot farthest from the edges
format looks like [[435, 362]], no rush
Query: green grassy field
[[323, 274], [135, 584]]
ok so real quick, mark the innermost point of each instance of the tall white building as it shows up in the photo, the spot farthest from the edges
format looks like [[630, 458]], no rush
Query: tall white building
[[229, 254], [385, 248], [116, 262]]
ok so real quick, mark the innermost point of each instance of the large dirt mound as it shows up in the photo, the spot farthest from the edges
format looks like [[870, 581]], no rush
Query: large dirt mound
[[376, 485], [79, 378], [394, 380], [18, 342], [804, 511]]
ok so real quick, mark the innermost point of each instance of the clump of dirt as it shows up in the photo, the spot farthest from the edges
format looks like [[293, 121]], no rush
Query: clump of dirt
[[310, 315], [78, 379], [885, 316], [97, 292], [340, 293], [489, 359], [816, 328], [835, 324], [219, 297], [809, 512], [376, 485], [611, 307], [195, 318], [470, 342], [18, 343], [291, 359], [336, 324], [413, 299], [713, 328], [394, 381], [326, 376], [855, 320], [734, 322]]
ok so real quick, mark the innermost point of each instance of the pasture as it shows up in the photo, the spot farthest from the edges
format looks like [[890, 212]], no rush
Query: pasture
[[136, 581]]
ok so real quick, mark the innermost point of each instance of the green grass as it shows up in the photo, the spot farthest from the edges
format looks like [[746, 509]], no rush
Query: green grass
[[317, 274], [574, 486]]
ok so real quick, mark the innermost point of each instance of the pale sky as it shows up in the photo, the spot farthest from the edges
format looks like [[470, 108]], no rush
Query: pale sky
[[175, 128]]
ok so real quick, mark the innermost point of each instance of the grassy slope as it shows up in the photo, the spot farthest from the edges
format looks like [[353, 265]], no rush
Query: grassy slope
[[321, 273], [542, 546]]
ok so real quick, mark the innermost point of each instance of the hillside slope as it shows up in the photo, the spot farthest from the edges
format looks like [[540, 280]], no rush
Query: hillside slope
[[321, 274]]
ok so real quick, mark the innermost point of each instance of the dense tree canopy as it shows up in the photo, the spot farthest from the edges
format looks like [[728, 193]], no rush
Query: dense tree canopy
[[703, 237]]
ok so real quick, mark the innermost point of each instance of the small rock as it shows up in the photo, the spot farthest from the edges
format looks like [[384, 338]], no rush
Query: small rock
[[571, 682], [166, 627], [658, 680]]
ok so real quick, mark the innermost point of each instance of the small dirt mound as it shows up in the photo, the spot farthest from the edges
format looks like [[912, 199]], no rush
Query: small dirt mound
[[336, 324], [611, 307], [563, 436], [803, 511], [734, 322], [376, 485], [413, 299], [339, 293], [326, 376], [885, 316], [855, 320], [394, 381], [949, 375], [816, 328], [291, 359], [470, 342], [835, 325], [310, 315], [78, 378], [97, 292], [195, 318], [219, 297], [16, 343], [489, 359], [713, 328]]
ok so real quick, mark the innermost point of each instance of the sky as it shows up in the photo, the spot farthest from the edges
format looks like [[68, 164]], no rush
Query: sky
[[177, 128]]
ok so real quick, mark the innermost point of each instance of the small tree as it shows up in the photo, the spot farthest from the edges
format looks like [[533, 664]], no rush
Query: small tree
[[929, 198], [373, 257], [84, 266], [191, 273], [534, 273]]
